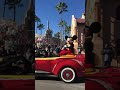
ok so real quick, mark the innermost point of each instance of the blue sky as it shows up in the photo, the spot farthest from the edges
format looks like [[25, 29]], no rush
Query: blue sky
[[46, 9]]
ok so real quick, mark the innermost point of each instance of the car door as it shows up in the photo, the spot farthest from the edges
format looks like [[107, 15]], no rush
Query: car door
[[42, 64]]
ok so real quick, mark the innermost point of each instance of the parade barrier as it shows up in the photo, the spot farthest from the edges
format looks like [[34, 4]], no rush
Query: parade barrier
[[17, 84], [107, 79]]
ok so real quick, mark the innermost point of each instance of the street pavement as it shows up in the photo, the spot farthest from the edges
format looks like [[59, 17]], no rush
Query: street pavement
[[50, 82]]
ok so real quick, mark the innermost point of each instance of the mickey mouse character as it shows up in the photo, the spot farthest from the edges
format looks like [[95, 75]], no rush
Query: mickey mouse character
[[69, 47]]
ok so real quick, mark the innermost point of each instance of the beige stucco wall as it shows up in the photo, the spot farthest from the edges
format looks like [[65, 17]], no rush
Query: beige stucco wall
[[80, 35], [73, 26], [75, 30]]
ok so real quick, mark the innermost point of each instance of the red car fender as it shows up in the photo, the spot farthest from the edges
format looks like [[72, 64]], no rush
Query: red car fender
[[73, 63]]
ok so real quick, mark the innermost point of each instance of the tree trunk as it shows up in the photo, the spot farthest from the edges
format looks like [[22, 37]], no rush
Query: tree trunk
[[41, 32], [37, 25], [61, 31]]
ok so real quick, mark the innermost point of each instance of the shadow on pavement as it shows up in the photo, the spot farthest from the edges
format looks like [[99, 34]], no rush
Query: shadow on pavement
[[80, 80], [47, 76]]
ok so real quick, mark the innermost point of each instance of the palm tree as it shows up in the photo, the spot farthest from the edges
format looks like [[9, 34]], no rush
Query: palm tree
[[12, 5], [57, 35], [37, 19], [67, 29], [61, 7], [62, 24], [40, 27]]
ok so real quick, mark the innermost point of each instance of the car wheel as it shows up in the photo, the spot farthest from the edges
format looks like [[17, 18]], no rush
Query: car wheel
[[67, 75]]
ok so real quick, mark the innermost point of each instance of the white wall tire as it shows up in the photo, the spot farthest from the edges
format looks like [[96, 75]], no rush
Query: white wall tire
[[67, 75]]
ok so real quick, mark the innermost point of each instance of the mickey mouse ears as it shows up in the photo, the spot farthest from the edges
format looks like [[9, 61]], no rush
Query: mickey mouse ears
[[95, 27], [66, 37], [73, 38]]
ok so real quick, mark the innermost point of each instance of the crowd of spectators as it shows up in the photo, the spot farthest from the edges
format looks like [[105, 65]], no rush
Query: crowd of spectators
[[48, 51]]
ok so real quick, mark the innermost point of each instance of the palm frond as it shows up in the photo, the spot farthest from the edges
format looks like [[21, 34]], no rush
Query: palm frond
[[40, 26], [61, 7]]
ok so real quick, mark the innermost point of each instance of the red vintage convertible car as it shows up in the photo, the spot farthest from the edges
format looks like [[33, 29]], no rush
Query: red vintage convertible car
[[67, 67]]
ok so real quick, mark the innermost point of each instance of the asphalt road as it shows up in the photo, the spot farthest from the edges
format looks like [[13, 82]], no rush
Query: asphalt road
[[50, 82]]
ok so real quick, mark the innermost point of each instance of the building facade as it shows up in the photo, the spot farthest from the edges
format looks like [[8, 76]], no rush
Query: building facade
[[107, 13], [77, 26]]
